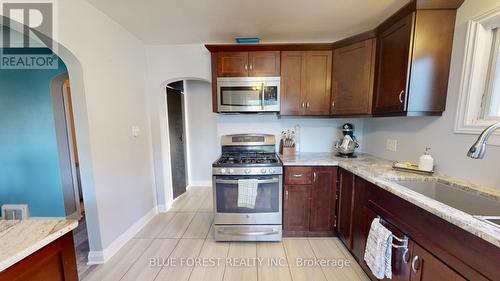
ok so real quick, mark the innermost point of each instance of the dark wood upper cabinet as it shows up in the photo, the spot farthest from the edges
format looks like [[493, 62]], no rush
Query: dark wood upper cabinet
[[392, 68], [306, 82], [297, 205], [292, 83], [352, 81], [345, 207], [413, 61], [232, 64], [264, 64], [242, 64]]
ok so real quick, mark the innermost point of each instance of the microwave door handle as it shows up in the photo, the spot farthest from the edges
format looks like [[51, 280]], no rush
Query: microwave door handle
[[262, 94]]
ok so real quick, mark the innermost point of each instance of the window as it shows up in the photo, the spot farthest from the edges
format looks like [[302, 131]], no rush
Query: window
[[491, 98], [479, 97]]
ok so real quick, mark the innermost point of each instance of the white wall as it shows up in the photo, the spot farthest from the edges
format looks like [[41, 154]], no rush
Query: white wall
[[449, 149], [316, 135], [201, 122], [109, 91], [175, 62], [168, 64]]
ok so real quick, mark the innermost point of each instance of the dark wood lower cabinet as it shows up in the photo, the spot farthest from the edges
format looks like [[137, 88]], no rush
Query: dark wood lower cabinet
[[297, 207], [323, 200], [309, 201], [437, 249], [54, 262], [345, 207]]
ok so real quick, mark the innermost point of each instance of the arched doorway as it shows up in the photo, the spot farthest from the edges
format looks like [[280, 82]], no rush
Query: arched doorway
[[200, 139]]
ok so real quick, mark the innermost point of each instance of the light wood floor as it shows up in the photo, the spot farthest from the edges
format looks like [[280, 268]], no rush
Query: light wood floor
[[184, 234]]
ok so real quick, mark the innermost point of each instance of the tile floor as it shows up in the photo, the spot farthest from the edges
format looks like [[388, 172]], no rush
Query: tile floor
[[184, 236]]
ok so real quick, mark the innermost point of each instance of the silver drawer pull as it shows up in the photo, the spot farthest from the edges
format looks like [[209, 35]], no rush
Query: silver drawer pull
[[298, 175], [274, 180], [249, 233], [401, 96], [415, 264]]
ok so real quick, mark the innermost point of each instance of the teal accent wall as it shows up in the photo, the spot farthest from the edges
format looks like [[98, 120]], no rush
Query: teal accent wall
[[29, 164]]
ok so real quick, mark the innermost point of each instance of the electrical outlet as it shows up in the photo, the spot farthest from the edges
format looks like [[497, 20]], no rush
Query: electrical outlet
[[391, 145]]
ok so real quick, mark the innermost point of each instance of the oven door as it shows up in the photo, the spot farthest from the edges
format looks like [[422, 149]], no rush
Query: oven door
[[248, 94], [268, 203]]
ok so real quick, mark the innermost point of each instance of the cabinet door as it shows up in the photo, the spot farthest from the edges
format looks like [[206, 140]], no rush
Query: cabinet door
[[400, 260], [426, 267], [319, 82], [264, 64], [392, 73], [323, 199], [297, 207], [352, 84], [232, 64], [292, 83], [344, 217]]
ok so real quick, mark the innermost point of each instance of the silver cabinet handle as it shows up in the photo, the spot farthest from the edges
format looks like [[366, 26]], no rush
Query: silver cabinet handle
[[307, 105], [251, 67], [302, 105], [297, 175], [246, 66], [406, 256], [414, 265], [401, 96], [333, 104], [314, 176], [286, 195]]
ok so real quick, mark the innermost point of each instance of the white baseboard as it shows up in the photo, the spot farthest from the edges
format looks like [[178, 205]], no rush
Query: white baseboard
[[100, 257], [162, 208], [199, 183]]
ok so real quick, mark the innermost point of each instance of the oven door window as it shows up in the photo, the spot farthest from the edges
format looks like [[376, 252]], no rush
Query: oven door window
[[241, 96], [267, 200]]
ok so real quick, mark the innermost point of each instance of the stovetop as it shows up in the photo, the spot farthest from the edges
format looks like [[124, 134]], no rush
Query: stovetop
[[248, 159]]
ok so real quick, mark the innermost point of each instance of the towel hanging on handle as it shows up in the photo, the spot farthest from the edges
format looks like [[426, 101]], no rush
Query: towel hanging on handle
[[247, 193], [378, 252]]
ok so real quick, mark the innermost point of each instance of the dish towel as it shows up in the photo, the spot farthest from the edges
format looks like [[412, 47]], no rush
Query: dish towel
[[378, 250], [247, 193]]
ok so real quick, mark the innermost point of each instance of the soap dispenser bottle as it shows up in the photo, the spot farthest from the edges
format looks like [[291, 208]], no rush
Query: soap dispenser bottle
[[426, 162]]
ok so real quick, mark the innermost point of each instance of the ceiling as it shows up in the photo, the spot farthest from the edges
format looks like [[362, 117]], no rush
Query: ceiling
[[220, 21]]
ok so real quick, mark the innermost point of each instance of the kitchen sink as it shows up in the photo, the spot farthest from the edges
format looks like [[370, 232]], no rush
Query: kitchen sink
[[474, 204]]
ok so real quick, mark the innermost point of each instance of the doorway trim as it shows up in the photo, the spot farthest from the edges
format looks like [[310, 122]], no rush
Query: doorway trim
[[161, 148], [67, 153]]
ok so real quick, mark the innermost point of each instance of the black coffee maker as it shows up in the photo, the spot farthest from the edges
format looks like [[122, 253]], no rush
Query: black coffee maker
[[348, 144]]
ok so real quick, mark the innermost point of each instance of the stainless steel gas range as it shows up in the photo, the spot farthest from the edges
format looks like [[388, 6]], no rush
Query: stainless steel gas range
[[247, 188]]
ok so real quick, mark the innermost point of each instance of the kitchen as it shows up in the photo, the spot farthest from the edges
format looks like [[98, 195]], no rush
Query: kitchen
[[327, 203]]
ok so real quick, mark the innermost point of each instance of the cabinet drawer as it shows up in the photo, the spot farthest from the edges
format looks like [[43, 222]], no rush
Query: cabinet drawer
[[298, 175]]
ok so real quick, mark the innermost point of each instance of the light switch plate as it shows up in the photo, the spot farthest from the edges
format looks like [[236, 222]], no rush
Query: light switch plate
[[392, 145], [135, 131]]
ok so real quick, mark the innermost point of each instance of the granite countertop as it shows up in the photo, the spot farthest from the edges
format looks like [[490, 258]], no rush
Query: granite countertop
[[19, 239], [379, 172]]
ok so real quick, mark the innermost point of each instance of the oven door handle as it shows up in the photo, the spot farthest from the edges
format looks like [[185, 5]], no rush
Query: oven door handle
[[274, 180], [249, 233]]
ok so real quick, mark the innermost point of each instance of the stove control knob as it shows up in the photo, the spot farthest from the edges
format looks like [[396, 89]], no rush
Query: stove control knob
[[247, 171], [223, 171], [263, 171], [231, 171]]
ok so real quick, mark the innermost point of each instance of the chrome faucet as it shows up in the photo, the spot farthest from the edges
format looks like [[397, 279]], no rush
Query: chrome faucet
[[478, 150]]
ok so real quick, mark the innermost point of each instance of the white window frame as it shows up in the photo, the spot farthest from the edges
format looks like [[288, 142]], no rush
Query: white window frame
[[474, 80]]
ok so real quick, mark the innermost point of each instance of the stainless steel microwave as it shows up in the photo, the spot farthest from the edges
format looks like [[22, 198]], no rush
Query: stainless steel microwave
[[248, 94]]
